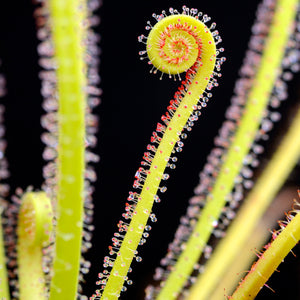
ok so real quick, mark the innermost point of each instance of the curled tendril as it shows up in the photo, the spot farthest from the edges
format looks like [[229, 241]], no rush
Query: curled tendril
[[174, 44], [34, 231], [177, 43]]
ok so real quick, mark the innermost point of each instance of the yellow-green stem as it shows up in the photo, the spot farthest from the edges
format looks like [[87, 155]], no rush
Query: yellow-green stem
[[66, 21], [255, 205], [269, 261], [249, 124], [256, 239]]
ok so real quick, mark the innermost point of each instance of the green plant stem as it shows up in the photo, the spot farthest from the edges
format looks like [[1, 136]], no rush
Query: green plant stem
[[67, 20], [249, 124], [258, 237], [269, 261], [252, 210]]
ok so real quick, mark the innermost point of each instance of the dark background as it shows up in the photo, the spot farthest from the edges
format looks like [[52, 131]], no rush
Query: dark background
[[132, 102]]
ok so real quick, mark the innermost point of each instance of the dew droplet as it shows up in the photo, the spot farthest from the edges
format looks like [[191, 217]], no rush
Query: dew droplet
[[163, 189], [148, 227]]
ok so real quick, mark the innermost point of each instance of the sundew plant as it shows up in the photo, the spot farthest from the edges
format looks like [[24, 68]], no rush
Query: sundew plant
[[105, 201]]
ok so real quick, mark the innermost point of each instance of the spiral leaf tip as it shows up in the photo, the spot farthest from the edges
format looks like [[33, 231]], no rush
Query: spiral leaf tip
[[34, 232], [179, 41], [35, 221]]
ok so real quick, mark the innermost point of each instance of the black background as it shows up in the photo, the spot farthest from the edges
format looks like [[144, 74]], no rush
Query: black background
[[132, 102]]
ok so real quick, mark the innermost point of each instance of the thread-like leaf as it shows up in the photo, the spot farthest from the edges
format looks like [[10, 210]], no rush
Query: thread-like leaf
[[255, 205], [172, 42], [270, 259], [242, 141], [66, 20]]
